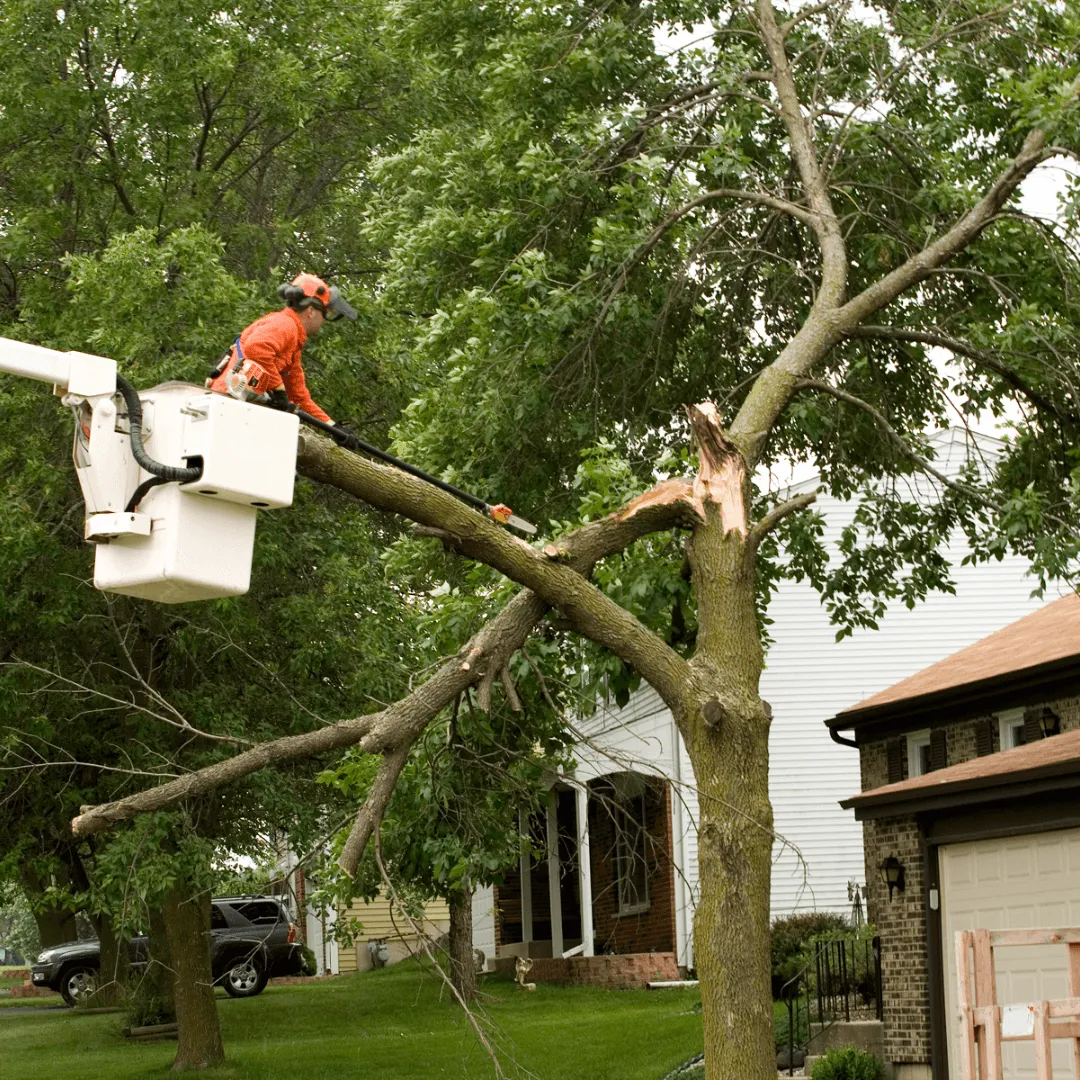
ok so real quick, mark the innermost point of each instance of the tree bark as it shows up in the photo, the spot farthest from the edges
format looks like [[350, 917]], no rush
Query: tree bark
[[55, 925], [114, 967], [726, 725], [187, 922], [462, 964]]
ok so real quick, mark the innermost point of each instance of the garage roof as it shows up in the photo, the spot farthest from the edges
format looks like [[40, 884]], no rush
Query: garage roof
[[1040, 642], [1053, 762]]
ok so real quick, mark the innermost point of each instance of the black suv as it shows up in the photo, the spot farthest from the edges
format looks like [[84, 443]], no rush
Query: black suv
[[251, 941]]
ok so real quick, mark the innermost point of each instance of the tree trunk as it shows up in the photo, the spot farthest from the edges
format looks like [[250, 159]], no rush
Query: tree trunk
[[727, 728], [156, 985], [462, 963], [187, 922], [113, 971], [55, 925]]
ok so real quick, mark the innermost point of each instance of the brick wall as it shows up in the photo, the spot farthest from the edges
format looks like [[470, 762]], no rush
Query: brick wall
[[902, 922], [630, 971], [652, 930]]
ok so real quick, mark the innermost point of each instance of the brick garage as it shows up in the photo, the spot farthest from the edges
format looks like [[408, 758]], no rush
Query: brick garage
[[981, 748]]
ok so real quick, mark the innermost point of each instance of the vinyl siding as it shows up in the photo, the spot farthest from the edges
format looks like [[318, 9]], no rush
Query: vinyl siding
[[380, 920], [810, 677]]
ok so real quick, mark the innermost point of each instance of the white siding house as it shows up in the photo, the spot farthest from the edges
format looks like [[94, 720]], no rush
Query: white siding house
[[810, 677]]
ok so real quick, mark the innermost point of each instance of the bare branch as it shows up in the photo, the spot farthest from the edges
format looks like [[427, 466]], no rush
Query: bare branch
[[961, 348], [823, 217], [775, 516], [896, 439]]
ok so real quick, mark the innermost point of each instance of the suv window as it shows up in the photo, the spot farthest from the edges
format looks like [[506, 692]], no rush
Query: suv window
[[217, 918], [261, 912]]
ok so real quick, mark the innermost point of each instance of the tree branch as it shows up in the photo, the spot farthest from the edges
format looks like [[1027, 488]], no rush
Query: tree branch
[[823, 218], [962, 348], [883, 291], [374, 807], [773, 518], [400, 724], [593, 613], [896, 439]]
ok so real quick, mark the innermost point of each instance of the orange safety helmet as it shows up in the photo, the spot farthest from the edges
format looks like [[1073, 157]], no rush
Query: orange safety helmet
[[307, 290]]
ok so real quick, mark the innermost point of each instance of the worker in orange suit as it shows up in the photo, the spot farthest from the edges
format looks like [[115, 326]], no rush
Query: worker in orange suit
[[266, 358]]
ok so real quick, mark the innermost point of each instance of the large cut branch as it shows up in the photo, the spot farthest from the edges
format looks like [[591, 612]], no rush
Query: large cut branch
[[590, 612], [400, 724]]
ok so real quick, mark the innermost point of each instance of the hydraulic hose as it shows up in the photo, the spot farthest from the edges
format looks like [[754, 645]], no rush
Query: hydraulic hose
[[167, 473], [139, 493]]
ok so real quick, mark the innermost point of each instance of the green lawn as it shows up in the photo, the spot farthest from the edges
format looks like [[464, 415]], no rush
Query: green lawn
[[385, 1024]]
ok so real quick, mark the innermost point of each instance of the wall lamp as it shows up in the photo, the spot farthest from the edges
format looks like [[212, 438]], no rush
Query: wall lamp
[[1049, 723], [892, 874]]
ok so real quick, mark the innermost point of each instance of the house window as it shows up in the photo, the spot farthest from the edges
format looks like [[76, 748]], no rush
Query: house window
[[1011, 728], [631, 855], [918, 745]]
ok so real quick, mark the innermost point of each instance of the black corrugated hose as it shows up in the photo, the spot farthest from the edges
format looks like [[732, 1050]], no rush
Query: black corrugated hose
[[160, 474]]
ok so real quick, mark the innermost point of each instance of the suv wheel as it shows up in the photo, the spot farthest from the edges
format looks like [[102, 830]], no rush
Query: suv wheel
[[245, 979], [78, 984]]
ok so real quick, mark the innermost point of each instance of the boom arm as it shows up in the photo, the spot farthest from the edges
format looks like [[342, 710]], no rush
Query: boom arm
[[71, 372]]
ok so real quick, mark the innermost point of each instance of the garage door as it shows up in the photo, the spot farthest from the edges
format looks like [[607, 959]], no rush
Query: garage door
[[1012, 884]]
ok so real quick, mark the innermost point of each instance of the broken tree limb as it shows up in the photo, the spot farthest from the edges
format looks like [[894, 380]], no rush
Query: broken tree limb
[[402, 722], [560, 585], [721, 477]]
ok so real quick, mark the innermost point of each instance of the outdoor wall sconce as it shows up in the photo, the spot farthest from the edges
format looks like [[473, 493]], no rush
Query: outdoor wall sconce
[[892, 874], [1049, 722]]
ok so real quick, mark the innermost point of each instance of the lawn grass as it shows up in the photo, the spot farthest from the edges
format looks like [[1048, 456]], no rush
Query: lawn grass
[[394, 1023]]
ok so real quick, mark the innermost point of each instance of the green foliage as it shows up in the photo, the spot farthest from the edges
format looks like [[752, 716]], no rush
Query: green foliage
[[783, 1022], [18, 930], [791, 935], [847, 1064]]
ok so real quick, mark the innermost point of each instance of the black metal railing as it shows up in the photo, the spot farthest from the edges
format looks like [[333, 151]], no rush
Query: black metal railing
[[841, 980]]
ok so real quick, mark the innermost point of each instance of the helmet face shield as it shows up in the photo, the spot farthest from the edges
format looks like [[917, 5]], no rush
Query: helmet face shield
[[338, 307]]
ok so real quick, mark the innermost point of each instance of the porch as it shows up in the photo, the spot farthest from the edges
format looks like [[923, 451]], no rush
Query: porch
[[596, 904]]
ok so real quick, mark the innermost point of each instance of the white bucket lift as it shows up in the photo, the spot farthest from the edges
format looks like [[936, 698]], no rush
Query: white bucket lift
[[182, 541]]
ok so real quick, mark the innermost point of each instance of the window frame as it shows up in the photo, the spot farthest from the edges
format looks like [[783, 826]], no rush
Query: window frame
[[1008, 721], [916, 740], [633, 809]]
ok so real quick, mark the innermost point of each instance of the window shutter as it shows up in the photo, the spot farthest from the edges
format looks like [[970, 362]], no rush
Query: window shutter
[[1032, 730], [895, 753], [938, 749], [984, 737]]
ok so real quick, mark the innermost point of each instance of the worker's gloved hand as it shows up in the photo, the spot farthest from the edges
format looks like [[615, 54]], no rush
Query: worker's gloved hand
[[348, 437], [278, 399]]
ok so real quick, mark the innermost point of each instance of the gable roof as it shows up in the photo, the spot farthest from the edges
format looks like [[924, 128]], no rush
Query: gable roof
[[1040, 643], [1052, 761]]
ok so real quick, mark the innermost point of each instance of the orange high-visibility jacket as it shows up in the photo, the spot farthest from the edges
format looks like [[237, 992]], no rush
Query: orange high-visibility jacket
[[274, 342]]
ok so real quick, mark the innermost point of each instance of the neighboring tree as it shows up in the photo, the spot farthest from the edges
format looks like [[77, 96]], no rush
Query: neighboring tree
[[785, 216]]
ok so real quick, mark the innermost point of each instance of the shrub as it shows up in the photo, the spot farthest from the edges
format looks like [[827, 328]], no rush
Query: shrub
[[310, 965], [790, 939], [790, 935], [847, 1064]]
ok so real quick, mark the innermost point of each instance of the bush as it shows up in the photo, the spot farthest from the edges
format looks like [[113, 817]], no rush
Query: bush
[[780, 1024], [847, 1064], [310, 965], [791, 937]]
